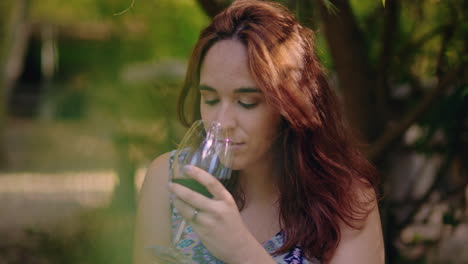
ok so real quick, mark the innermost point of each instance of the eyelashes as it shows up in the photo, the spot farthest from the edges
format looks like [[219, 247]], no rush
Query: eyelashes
[[211, 102], [247, 106], [244, 105]]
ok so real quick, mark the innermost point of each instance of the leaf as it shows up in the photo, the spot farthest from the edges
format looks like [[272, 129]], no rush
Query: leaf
[[330, 6], [449, 219], [383, 3]]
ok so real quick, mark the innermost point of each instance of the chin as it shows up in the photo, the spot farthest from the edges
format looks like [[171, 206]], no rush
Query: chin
[[238, 164]]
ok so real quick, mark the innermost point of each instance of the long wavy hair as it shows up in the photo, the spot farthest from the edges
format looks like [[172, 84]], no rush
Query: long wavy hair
[[325, 180]]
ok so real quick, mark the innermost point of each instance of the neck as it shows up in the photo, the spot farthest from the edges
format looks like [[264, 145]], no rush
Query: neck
[[259, 181]]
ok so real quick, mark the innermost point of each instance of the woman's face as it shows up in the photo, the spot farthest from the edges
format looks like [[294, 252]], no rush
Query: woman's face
[[230, 95]]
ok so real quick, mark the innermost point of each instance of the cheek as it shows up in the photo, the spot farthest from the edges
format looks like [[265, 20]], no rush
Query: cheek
[[266, 128], [205, 114], [271, 125]]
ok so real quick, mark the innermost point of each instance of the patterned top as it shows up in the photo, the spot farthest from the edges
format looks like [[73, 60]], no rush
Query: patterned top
[[190, 245]]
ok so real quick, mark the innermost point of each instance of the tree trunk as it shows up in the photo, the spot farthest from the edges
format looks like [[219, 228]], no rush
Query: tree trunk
[[355, 75], [124, 196], [14, 27]]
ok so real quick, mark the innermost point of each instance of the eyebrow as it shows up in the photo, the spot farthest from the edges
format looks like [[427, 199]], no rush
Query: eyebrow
[[238, 90]]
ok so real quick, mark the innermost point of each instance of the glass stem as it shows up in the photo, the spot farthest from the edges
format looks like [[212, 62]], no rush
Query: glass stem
[[179, 232]]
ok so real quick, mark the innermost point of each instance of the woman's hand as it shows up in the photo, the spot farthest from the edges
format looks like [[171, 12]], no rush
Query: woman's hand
[[218, 222]]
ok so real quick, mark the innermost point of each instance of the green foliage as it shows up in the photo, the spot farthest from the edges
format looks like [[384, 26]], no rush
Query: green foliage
[[175, 30], [97, 68], [112, 72], [364, 8], [98, 236], [443, 122], [64, 13], [449, 218]]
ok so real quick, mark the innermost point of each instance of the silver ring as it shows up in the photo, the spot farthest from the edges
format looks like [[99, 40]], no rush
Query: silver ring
[[195, 214]]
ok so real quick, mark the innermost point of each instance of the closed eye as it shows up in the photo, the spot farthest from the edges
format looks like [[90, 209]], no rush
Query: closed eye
[[247, 106], [211, 102]]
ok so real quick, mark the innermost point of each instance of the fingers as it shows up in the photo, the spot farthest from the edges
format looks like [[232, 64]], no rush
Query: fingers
[[190, 197], [185, 210], [214, 186], [188, 200]]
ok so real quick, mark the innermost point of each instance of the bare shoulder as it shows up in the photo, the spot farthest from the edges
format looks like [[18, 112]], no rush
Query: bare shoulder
[[157, 173], [363, 245], [153, 222]]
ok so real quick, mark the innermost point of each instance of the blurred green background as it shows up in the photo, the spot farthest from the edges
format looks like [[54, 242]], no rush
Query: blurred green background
[[88, 93]]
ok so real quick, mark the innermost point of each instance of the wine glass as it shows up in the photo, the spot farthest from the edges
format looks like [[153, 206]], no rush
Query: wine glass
[[209, 147]]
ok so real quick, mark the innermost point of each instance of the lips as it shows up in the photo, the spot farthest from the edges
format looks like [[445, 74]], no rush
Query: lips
[[232, 142], [237, 146]]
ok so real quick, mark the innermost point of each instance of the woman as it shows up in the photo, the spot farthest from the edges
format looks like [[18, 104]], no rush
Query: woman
[[301, 191]]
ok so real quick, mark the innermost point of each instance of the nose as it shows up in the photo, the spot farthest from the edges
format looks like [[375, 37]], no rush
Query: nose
[[226, 117]]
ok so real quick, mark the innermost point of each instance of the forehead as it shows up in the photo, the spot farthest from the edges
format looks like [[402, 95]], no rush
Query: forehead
[[225, 66]]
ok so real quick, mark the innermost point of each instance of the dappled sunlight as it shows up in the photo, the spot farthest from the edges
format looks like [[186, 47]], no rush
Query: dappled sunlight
[[86, 188], [30, 199], [88, 95]]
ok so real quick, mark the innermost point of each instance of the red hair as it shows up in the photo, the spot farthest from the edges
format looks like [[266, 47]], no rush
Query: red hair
[[325, 179]]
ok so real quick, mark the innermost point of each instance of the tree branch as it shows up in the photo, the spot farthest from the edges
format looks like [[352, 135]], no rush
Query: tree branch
[[12, 51], [387, 139], [21, 30], [390, 31]]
